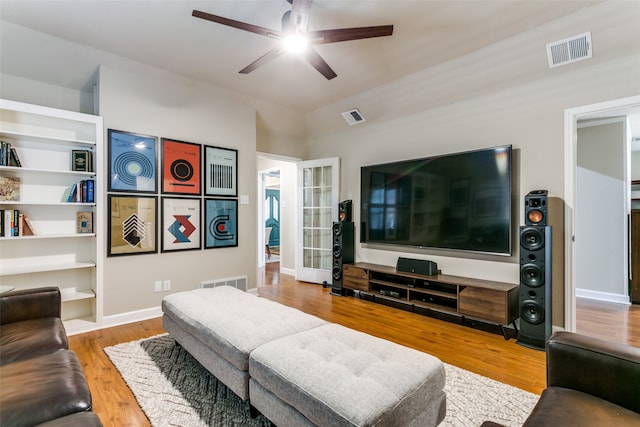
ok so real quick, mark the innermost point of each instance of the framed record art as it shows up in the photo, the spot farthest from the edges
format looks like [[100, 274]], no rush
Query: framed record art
[[132, 225], [133, 162], [221, 223], [220, 171], [180, 167], [180, 224]]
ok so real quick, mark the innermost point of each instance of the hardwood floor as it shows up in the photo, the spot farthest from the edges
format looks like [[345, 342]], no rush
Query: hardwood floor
[[477, 351]]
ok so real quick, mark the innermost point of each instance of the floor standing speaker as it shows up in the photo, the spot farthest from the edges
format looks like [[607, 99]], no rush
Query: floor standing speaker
[[343, 253], [535, 286]]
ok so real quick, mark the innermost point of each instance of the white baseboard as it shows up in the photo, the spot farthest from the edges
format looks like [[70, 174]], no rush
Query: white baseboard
[[130, 317], [602, 296], [288, 271]]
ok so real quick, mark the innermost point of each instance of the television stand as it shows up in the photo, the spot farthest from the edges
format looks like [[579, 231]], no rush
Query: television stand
[[482, 304]]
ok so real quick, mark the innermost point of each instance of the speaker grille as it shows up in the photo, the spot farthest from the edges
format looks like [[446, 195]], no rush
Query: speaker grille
[[532, 238], [532, 312]]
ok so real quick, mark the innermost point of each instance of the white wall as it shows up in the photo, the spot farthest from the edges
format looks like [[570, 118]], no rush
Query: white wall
[[601, 236], [163, 105]]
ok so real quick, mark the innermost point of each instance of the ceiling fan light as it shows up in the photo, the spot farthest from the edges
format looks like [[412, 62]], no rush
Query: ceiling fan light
[[295, 42]]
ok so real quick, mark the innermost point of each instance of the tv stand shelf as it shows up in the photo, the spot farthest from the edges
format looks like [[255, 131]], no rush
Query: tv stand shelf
[[483, 300]]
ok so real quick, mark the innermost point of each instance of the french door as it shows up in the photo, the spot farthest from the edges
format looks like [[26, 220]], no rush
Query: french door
[[317, 186]]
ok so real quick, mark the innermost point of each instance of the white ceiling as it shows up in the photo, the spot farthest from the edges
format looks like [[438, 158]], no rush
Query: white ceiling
[[163, 34]]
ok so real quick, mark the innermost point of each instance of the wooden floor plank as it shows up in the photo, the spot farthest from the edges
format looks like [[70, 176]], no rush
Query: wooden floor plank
[[481, 352]]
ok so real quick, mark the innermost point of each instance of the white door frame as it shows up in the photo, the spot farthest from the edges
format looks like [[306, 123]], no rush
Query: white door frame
[[571, 118]]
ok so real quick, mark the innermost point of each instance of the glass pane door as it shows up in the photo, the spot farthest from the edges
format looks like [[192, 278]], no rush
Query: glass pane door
[[318, 192]]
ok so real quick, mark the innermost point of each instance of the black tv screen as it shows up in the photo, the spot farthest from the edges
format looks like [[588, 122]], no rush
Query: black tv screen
[[458, 201]]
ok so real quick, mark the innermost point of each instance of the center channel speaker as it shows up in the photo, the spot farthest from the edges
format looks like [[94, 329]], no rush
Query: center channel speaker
[[535, 286], [343, 253]]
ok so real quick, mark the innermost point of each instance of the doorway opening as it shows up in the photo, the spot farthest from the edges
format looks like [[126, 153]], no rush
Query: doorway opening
[[621, 107]]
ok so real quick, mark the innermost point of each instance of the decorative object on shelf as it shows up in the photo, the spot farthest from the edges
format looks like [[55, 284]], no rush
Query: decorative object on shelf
[[221, 223], [9, 189], [180, 167], [180, 224], [132, 225], [84, 222], [132, 162], [220, 171], [82, 160]]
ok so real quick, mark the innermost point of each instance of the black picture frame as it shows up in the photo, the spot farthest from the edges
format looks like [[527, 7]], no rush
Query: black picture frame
[[132, 162], [181, 165], [220, 223], [132, 225], [220, 171], [181, 224]]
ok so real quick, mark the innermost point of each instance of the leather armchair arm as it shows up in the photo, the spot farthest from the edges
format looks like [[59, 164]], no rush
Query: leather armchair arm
[[30, 304], [608, 370]]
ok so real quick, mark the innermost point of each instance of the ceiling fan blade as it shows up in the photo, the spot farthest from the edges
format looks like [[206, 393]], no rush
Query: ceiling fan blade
[[318, 63], [272, 54], [237, 24], [346, 34], [300, 10]]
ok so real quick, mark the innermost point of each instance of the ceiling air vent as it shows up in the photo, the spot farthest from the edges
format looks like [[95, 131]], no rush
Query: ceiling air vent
[[353, 117], [569, 50]]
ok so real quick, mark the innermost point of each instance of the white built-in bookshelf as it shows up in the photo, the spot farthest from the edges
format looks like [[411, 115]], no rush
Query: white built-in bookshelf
[[56, 254]]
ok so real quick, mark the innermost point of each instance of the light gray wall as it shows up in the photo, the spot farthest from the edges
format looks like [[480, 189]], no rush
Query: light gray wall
[[163, 105], [474, 102], [601, 235]]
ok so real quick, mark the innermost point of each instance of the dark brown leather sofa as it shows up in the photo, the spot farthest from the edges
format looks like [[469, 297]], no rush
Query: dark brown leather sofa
[[41, 380], [590, 382]]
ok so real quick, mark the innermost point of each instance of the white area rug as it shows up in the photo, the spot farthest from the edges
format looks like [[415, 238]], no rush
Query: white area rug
[[173, 389]]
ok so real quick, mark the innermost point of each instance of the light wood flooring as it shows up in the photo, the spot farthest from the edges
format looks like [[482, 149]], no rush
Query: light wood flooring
[[480, 352]]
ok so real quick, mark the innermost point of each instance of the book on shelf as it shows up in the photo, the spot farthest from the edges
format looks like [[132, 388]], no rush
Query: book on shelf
[[82, 192], [9, 189], [14, 223], [85, 222], [8, 155], [82, 160]]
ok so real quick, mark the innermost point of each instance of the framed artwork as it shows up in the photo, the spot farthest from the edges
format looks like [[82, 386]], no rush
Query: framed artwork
[[221, 223], [180, 224], [180, 167], [132, 225], [220, 171], [133, 162]]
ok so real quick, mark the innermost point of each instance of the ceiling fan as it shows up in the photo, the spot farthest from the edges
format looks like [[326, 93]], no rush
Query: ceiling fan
[[295, 34]]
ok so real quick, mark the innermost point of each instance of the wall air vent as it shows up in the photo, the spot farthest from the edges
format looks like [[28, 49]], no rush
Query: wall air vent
[[353, 117], [569, 50], [236, 282]]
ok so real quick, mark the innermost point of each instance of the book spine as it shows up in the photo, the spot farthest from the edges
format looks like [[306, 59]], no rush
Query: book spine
[[15, 230], [90, 191], [15, 159], [1, 222], [7, 222]]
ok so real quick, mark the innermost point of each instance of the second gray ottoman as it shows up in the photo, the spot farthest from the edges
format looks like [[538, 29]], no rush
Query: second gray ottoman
[[335, 376]]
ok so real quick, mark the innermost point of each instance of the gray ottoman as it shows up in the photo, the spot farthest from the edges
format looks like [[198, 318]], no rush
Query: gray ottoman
[[335, 376], [219, 327]]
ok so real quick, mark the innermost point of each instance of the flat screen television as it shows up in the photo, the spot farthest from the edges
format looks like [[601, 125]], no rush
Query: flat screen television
[[459, 201]]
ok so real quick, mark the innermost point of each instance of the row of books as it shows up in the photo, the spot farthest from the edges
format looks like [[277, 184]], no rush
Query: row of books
[[14, 223], [82, 192], [8, 155]]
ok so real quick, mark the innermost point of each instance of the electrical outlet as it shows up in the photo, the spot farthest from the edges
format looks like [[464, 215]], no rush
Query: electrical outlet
[[167, 285], [157, 286]]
